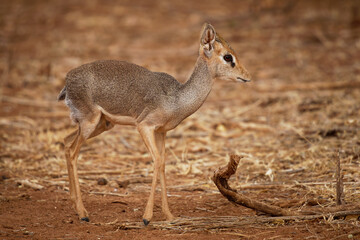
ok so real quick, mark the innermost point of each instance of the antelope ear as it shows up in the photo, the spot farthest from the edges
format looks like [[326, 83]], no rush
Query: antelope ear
[[207, 39]]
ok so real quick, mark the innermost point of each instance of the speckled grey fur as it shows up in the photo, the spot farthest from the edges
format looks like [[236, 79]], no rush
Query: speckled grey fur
[[126, 89]]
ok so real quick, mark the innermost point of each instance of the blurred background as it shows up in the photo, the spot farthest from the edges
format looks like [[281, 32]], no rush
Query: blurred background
[[300, 111]]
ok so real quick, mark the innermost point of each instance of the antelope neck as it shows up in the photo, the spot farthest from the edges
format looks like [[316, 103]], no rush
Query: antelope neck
[[194, 92]]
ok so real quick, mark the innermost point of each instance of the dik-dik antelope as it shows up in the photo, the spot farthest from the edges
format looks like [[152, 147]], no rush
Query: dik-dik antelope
[[104, 93]]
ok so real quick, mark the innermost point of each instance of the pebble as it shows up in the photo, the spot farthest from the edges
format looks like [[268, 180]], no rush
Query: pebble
[[102, 181]]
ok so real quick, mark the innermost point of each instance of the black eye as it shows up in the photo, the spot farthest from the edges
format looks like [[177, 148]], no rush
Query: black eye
[[228, 58]]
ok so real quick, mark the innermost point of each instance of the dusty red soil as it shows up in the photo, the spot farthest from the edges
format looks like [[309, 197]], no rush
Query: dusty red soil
[[301, 109], [47, 214]]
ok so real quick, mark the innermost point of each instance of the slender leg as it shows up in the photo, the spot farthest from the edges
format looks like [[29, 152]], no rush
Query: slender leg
[[72, 146], [160, 142], [148, 135], [73, 143]]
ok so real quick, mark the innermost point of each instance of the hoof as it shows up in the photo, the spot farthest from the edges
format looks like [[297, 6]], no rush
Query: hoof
[[146, 222], [85, 219]]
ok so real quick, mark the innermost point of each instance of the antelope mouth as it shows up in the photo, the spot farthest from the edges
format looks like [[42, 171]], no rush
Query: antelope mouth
[[239, 79]]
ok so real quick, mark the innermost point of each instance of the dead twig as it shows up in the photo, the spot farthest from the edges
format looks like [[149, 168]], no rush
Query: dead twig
[[227, 222], [110, 194], [28, 102], [221, 177], [348, 235], [102, 172], [30, 184], [339, 181], [278, 185], [313, 86]]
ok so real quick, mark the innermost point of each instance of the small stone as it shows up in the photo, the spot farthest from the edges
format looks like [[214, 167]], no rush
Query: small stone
[[123, 184], [350, 236], [221, 128], [68, 221], [102, 181], [4, 176]]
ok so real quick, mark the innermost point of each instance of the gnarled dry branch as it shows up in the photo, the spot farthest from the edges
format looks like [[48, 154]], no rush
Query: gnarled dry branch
[[221, 177]]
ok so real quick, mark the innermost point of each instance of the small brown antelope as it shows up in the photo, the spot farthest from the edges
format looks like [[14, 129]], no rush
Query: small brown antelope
[[104, 93]]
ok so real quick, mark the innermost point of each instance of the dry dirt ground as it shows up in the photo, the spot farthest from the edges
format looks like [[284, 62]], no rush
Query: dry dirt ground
[[292, 122]]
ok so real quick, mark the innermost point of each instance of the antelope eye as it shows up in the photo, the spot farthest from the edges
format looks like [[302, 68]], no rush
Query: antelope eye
[[228, 58]]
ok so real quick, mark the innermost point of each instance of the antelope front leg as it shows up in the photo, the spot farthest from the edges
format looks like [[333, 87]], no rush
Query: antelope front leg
[[149, 136], [160, 142]]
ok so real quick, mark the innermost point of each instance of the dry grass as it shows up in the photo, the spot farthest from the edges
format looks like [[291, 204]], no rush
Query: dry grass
[[302, 107]]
